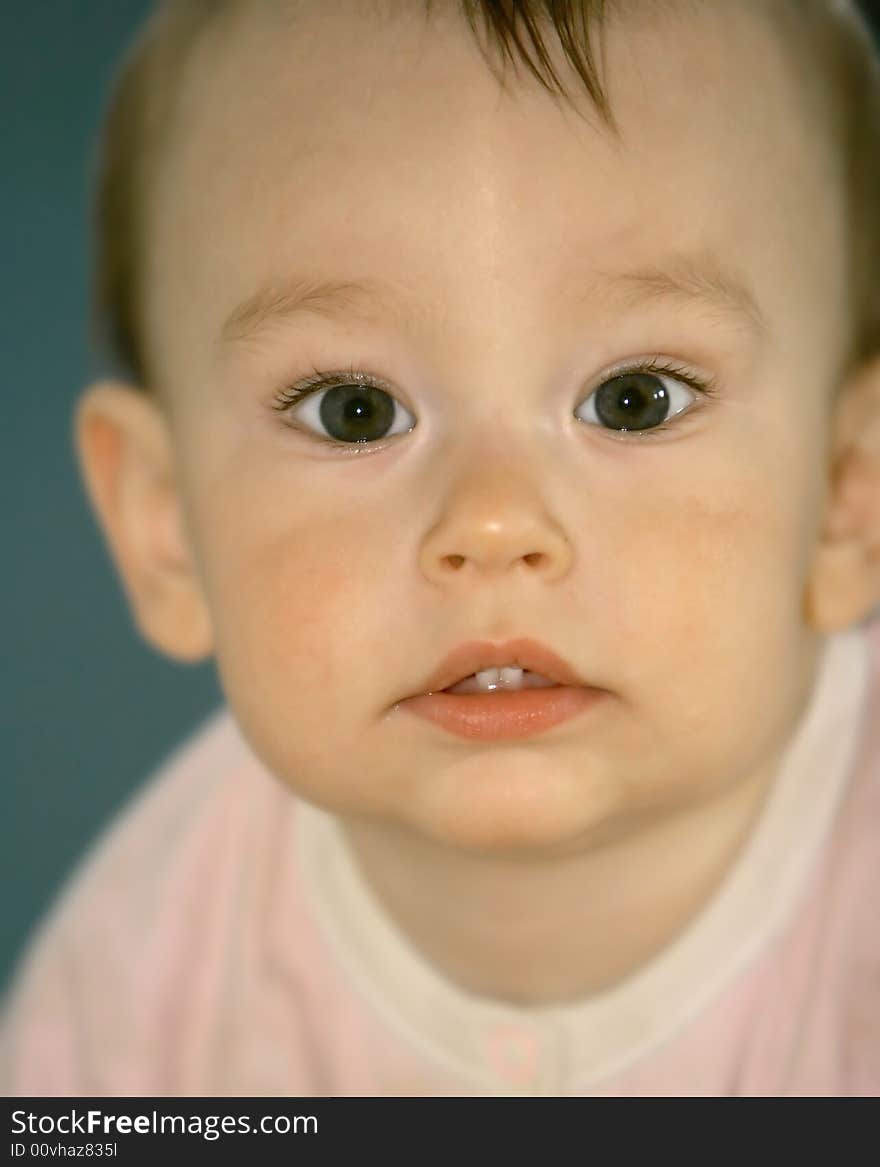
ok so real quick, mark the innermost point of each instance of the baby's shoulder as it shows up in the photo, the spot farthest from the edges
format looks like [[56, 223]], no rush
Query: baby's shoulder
[[143, 912], [171, 820], [851, 937]]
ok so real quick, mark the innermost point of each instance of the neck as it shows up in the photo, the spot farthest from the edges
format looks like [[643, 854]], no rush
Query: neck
[[549, 929]]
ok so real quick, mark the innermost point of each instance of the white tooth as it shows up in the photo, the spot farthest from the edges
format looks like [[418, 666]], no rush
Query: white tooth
[[508, 679]]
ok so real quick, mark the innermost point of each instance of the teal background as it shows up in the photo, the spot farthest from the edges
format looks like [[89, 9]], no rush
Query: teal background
[[87, 710]]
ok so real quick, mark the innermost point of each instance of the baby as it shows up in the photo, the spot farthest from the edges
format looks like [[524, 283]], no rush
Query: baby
[[502, 415]]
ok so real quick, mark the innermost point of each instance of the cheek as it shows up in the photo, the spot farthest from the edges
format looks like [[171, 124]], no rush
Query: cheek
[[708, 616], [297, 603], [718, 554]]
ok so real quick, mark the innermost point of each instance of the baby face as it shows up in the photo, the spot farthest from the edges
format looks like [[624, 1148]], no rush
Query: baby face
[[515, 259]]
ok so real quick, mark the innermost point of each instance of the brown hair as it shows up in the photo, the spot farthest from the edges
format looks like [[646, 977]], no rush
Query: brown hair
[[139, 115]]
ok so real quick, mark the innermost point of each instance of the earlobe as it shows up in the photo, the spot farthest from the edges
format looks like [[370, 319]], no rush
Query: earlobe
[[126, 461], [844, 586]]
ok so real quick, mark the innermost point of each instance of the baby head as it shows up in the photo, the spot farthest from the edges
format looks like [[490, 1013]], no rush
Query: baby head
[[443, 327]]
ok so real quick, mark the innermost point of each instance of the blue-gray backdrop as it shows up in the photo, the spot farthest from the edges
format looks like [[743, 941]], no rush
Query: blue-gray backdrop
[[87, 710]]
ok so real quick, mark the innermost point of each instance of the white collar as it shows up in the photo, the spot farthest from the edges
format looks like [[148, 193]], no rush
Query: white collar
[[538, 1049]]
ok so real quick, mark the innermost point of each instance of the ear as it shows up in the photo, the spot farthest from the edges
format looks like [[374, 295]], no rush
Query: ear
[[845, 579], [126, 460]]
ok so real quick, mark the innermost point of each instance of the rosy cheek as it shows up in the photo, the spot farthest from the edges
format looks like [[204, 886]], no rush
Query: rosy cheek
[[305, 603], [295, 599]]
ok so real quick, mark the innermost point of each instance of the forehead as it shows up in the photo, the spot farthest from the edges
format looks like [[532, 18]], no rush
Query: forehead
[[354, 142]]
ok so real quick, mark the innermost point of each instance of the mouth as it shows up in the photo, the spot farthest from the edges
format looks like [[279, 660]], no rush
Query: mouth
[[483, 667], [487, 692], [509, 680]]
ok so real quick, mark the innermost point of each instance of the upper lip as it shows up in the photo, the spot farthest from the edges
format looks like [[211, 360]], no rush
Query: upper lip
[[477, 655]]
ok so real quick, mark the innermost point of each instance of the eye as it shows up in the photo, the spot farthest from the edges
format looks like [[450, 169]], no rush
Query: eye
[[643, 398], [345, 408]]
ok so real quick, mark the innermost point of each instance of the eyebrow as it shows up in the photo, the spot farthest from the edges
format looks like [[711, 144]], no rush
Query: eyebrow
[[276, 303], [695, 279], [684, 279]]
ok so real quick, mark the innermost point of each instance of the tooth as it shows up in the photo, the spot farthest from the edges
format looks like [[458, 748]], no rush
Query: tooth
[[505, 678], [508, 679]]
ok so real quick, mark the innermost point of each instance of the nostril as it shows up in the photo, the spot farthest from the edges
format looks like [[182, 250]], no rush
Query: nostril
[[533, 558], [455, 561]]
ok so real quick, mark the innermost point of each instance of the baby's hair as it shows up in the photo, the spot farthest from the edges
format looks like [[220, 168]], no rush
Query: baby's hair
[[837, 50]]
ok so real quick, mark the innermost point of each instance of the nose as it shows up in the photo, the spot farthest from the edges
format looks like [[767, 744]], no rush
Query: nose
[[495, 525]]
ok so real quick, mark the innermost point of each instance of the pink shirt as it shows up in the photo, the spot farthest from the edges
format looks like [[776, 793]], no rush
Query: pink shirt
[[220, 941]]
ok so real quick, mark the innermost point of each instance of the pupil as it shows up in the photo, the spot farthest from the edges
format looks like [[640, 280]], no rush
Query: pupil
[[357, 413], [635, 401]]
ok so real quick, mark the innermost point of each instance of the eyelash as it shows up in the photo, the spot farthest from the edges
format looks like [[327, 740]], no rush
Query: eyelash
[[331, 379]]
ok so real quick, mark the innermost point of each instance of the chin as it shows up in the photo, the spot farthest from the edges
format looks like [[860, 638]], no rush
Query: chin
[[513, 809]]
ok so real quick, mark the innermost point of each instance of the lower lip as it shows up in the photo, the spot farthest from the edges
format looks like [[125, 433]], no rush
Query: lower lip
[[491, 717]]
